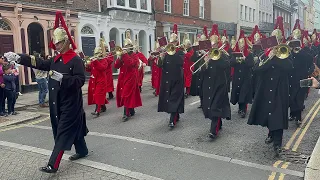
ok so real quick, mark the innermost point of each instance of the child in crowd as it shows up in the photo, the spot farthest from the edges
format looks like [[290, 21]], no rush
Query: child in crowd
[[10, 88]]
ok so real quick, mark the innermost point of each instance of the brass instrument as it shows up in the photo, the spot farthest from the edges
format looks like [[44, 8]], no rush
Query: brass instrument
[[281, 51], [119, 50], [316, 71], [296, 50], [87, 60], [214, 54]]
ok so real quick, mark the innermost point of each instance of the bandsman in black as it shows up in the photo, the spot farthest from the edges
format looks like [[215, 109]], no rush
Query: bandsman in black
[[67, 76], [241, 92], [255, 37], [197, 77], [171, 97], [215, 103], [227, 48], [271, 101], [302, 62]]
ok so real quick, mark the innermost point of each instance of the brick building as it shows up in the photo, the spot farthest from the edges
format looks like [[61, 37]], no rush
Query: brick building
[[189, 15]]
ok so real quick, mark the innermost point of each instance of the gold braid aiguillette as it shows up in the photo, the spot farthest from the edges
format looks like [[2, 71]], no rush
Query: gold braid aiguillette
[[33, 61]]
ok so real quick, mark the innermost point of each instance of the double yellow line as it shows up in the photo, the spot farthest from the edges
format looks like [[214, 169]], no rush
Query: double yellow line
[[296, 140]]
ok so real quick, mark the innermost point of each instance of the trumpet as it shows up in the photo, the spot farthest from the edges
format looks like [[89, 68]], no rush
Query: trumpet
[[281, 51], [214, 54], [119, 50]]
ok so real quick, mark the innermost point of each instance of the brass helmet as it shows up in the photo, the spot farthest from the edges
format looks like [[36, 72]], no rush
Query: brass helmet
[[233, 42], [174, 35], [224, 37], [214, 35], [204, 35], [296, 33], [98, 53], [186, 40], [128, 40], [255, 35], [278, 29]]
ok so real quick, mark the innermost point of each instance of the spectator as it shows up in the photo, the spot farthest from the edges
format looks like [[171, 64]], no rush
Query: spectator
[[41, 78], [10, 88], [315, 83], [2, 97]]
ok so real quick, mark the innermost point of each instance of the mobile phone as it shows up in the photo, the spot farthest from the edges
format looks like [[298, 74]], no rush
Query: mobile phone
[[306, 83]]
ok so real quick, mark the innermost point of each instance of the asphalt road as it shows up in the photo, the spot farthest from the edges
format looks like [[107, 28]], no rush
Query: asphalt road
[[145, 144]]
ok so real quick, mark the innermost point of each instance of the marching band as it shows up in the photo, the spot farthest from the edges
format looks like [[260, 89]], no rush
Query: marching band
[[264, 71]]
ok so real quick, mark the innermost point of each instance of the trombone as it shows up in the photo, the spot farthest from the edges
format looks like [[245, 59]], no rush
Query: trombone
[[214, 54], [281, 51], [119, 50]]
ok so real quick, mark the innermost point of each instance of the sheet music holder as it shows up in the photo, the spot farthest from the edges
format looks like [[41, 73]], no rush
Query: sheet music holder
[[112, 44], [196, 48], [203, 45], [162, 41], [295, 43], [269, 42], [257, 46]]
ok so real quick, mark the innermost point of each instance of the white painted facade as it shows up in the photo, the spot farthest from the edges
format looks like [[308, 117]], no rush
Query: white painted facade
[[266, 11], [114, 25], [225, 11], [247, 15]]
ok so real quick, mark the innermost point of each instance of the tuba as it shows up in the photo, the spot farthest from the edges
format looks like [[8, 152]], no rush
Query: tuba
[[171, 49]]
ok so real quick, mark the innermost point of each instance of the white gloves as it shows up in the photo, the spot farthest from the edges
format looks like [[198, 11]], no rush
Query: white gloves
[[56, 75], [11, 56]]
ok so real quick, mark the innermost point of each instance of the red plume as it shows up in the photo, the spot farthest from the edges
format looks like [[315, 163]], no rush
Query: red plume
[[297, 25], [205, 31], [225, 32], [214, 30], [175, 29], [245, 49], [59, 22], [279, 25]]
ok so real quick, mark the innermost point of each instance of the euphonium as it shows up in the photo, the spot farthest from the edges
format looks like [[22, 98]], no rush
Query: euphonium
[[171, 49]]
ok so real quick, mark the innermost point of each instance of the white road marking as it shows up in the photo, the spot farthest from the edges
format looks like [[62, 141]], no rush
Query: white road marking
[[193, 103], [84, 162], [190, 151]]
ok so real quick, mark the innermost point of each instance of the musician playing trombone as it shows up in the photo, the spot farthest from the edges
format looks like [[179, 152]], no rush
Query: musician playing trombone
[[241, 92], [271, 101], [171, 97], [302, 62], [215, 101]]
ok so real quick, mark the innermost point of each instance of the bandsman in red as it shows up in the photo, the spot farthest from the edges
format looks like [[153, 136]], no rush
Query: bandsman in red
[[128, 94], [110, 86], [97, 88], [187, 63], [156, 71], [142, 63]]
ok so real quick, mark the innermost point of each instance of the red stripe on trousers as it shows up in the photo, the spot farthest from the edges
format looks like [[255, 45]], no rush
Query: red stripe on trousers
[[218, 126], [175, 119], [58, 160]]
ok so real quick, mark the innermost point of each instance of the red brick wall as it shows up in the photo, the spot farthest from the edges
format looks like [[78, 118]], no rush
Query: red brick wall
[[176, 15], [83, 5]]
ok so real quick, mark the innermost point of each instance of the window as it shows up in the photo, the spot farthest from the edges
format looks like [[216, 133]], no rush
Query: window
[[270, 18], [260, 19], [167, 6], [121, 2], [263, 16], [191, 38], [241, 11], [245, 12], [253, 15], [250, 14], [144, 5], [133, 3], [4, 26], [186, 7], [87, 30], [201, 8]]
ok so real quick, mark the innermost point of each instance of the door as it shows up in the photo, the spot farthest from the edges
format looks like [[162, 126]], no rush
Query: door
[[88, 45], [6, 43]]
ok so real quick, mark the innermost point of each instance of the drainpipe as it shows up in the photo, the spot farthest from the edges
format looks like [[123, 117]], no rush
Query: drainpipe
[[99, 4]]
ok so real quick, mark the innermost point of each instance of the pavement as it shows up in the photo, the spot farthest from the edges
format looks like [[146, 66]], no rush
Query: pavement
[[145, 148]]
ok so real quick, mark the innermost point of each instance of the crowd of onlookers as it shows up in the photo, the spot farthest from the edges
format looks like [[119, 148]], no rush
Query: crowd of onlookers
[[10, 87]]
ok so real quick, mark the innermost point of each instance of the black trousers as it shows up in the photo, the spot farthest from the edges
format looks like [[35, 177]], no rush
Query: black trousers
[[2, 100], [296, 114], [11, 99], [277, 137], [174, 117], [243, 107], [128, 111], [216, 124], [56, 156]]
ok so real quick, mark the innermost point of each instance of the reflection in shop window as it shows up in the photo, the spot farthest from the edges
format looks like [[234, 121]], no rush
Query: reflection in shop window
[[121, 2], [143, 4], [133, 3], [191, 37]]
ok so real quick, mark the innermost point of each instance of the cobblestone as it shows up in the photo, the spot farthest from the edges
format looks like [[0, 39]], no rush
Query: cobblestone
[[23, 165]]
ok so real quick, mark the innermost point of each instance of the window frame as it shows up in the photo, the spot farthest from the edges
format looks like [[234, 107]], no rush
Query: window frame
[[186, 10], [167, 6]]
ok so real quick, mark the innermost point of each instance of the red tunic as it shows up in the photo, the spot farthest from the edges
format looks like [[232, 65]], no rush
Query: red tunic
[[186, 68], [128, 93], [154, 69], [97, 83], [141, 71], [110, 86]]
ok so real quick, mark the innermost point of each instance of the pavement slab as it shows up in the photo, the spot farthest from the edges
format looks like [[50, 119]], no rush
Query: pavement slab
[[23, 165], [21, 117]]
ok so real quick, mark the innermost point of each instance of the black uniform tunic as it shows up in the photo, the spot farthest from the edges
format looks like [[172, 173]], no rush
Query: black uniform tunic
[[255, 77], [271, 101], [241, 83], [197, 78], [171, 96], [302, 65], [215, 101], [67, 116]]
